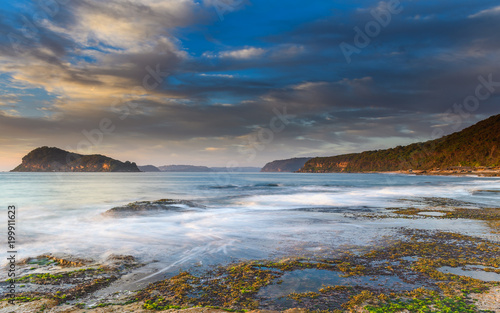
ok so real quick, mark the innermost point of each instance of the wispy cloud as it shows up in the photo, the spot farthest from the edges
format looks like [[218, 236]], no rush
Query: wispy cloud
[[242, 54], [490, 11], [217, 75]]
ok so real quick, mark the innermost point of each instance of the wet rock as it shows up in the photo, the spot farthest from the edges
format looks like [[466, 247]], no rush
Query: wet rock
[[149, 207], [439, 202], [66, 259], [63, 283], [120, 262]]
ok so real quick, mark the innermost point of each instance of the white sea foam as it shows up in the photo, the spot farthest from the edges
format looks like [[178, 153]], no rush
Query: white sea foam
[[254, 220]]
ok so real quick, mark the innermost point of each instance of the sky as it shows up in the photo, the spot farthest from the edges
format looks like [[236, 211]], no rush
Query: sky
[[241, 82]]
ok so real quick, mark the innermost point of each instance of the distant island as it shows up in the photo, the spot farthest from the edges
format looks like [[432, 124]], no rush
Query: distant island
[[196, 168], [474, 149], [241, 169], [184, 168], [287, 165], [51, 159]]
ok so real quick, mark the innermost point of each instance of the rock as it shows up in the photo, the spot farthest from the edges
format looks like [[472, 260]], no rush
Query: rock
[[50, 306], [149, 207], [488, 301], [66, 259], [116, 262]]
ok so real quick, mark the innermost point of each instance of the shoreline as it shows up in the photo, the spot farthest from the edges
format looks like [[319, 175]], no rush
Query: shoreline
[[457, 172], [461, 173]]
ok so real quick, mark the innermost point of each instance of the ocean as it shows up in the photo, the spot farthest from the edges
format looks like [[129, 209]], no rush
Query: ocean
[[239, 215]]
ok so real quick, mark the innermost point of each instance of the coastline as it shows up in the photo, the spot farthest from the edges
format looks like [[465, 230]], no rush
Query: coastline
[[452, 172], [458, 171], [433, 172]]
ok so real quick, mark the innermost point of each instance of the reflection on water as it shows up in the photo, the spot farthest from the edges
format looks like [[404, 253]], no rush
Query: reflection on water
[[314, 279], [473, 271]]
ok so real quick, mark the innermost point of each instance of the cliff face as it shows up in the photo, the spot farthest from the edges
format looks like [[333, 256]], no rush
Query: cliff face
[[476, 146], [288, 165], [47, 159]]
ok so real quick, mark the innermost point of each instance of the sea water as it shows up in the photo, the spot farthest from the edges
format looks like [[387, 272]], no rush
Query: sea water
[[240, 215]]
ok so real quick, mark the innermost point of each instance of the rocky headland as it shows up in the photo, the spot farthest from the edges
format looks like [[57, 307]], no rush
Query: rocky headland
[[287, 165], [51, 159]]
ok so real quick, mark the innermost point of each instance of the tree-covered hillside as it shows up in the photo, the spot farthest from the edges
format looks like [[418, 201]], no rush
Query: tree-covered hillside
[[47, 159], [475, 146]]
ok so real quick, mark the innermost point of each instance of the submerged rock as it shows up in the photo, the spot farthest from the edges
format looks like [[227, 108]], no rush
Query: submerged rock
[[149, 207]]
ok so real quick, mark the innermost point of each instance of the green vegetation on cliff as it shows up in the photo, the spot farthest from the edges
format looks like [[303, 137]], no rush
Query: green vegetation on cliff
[[47, 159], [475, 146]]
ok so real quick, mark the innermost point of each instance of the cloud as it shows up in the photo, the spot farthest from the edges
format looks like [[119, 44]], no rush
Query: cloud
[[309, 85], [246, 53], [282, 51], [9, 99], [490, 11], [217, 75], [223, 7], [10, 113], [128, 40], [213, 149], [132, 26], [287, 51]]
